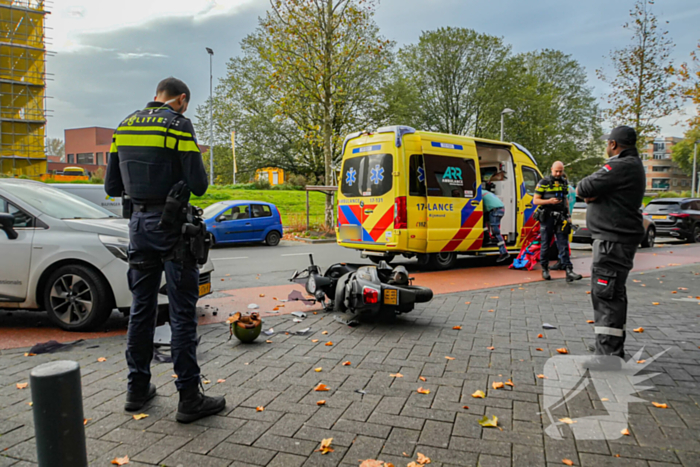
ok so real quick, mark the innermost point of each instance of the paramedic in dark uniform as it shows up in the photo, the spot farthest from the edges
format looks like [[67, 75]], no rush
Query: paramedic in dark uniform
[[152, 150], [614, 195], [551, 197]]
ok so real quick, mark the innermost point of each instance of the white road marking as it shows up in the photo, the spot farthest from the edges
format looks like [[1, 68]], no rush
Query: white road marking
[[235, 257], [296, 254]]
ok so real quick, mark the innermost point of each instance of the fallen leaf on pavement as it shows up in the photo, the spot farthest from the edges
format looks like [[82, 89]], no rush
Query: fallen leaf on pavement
[[538, 349], [465, 407], [562, 350], [497, 385], [422, 378], [324, 332], [101, 359], [673, 291], [479, 394], [567, 420], [540, 336], [29, 354], [346, 363], [542, 377], [329, 343], [86, 420], [321, 387], [654, 303], [140, 416], [660, 406], [491, 311], [423, 391], [491, 348], [456, 328], [206, 381], [568, 461], [372, 463], [641, 361], [605, 399], [22, 385], [30, 404], [325, 446], [422, 459], [492, 422], [220, 380], [259, 408], [276, 308], [510, 383], [625, 432], [120, 460], [449, 358], [174, 376], [588, 292], [317, 370], [321, 402], [262, 294], [638, 330], [396, 375], [314, 340], [616, 455], [268, 341], [590, 321], [467, 303]]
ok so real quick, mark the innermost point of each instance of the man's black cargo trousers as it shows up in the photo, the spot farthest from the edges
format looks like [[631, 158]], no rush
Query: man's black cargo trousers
[[612, 262]]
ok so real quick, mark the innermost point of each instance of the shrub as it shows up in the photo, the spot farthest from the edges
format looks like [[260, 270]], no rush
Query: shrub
[[261, 185]]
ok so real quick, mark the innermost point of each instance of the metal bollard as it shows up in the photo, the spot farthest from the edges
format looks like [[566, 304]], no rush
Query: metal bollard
[[57, 399]]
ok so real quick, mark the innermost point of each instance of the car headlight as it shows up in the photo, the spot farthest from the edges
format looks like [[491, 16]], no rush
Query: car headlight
[[311, 285], [118, 246]]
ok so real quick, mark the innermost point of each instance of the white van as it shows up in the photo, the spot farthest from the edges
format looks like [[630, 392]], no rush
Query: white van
[[94, 193]]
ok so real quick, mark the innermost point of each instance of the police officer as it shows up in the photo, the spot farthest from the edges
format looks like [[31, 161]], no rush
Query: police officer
[[614, 194], [555, 220], [152, 150]]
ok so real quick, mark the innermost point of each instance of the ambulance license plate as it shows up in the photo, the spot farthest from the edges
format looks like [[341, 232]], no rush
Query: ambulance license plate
[[391, 297], [659, 218], [204, 289]]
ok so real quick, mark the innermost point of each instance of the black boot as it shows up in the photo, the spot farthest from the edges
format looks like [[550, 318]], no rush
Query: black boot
[[556, 267], [195, 405], [136, 400], [503, 257], [545, 272], [571, 275]]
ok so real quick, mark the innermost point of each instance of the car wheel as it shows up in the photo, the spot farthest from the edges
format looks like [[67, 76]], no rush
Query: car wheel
[[442, 260], [273, 238], [649, 238], [77, 298], [695, 237], [377, 259]]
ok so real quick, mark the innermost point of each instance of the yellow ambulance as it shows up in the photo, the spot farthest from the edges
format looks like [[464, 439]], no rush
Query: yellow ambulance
[[419, 194]]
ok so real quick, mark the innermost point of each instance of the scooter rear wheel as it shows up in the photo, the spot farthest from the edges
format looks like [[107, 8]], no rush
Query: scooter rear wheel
[[423, 294]]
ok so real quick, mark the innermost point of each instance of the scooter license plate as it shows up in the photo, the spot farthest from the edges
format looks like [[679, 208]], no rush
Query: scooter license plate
[[205, 289], [391, 297]]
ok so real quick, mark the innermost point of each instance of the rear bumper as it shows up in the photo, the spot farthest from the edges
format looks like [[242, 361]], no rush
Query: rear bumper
[[674, 232], [582, 235]]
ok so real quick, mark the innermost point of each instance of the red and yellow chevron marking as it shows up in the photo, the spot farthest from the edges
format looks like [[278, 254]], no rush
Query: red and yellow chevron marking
[[468, 237], [379, 220]]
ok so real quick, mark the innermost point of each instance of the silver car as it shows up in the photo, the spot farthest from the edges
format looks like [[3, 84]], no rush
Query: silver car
[[583, 235]]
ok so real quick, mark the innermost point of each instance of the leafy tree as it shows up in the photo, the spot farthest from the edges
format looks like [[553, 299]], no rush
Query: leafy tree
[[682, 153], [689, 75], [55, 147], [642, 86]]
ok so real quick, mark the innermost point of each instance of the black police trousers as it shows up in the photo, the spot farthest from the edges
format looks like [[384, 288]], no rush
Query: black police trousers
[[148, 244], [548, 230], [612, 263]]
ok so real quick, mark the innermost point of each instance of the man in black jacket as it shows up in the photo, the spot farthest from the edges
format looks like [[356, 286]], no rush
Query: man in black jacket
[[614, 195], [152, 150]]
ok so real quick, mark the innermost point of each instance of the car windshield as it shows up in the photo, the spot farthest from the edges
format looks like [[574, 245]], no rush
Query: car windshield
[[211, 211], [57, 203], [662, 207]]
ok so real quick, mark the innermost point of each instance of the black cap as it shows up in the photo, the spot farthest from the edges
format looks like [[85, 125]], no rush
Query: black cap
[[623, 135]]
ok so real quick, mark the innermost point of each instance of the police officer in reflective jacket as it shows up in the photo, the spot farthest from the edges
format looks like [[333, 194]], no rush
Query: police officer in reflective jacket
[[555, 220], [614, 196], [152, 150]]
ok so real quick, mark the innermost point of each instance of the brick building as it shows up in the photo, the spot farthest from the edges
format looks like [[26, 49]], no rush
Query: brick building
[[662, 173], [88, 148]]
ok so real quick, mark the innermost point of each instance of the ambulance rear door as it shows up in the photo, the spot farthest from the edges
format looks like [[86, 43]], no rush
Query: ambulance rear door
[[453, 188], [417, 223]]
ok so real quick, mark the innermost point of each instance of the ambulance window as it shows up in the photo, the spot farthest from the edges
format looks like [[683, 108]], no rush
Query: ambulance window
[[367, 175], [530, 179], [416, 177], [350, 184], [450, 177]]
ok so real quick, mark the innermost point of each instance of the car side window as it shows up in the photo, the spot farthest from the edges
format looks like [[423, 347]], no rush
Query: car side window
[[261, 210], [243, 212], [22, 219], [530, 179], [695, 205]]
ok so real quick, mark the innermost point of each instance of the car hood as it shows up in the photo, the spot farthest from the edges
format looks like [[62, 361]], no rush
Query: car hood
[[116, 227]]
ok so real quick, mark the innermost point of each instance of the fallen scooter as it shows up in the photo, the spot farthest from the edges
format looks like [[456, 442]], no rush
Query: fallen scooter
[[361, 290]]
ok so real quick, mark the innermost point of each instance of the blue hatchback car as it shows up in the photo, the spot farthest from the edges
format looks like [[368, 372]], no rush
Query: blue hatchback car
[[244, 221]]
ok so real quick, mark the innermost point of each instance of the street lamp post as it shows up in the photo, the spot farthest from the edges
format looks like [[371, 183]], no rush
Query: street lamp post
[[211, 118], [503, 114], [695, 175]]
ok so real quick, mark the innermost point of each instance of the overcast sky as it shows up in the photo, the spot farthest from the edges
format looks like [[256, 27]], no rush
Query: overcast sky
[[110, 55]]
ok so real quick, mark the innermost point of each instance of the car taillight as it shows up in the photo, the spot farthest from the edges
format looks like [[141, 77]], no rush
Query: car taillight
[[682, 215], [370, 295], [278, 213], [400, 213]]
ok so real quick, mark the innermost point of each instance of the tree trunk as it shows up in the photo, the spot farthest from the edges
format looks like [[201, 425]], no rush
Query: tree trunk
[[328, 102]]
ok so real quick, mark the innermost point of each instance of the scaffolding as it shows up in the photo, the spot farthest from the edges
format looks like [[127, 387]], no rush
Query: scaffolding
[[22, 87]]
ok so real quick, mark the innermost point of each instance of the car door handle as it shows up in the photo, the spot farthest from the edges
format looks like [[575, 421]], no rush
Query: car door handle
[[475, 202], [528, 206], [248, 223]]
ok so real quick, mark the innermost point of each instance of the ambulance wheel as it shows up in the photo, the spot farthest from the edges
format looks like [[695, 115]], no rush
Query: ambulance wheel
[[387, 258], [442, 260], [423, 259]]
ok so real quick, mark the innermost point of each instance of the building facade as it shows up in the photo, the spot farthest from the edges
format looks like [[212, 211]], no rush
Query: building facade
[[22, 87], [662, 173]]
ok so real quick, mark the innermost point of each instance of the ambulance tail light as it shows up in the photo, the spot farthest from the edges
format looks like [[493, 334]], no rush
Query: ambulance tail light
[[400, 213]]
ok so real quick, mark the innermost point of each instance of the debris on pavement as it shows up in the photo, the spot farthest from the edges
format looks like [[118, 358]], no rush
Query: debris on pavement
[[51, 346], [548, 326]]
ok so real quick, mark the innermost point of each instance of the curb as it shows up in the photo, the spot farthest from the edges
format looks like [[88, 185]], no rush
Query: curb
[[311, 240]]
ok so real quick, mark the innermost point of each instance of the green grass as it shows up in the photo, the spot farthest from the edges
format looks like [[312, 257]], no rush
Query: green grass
[[292, 204]]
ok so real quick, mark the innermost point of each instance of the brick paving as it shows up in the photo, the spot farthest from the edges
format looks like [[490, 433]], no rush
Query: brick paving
[[391, 419]]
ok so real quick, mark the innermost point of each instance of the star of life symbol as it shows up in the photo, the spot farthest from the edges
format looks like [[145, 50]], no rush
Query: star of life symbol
[[421, 174], [377, 174], [351, 176], [613, 380]]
